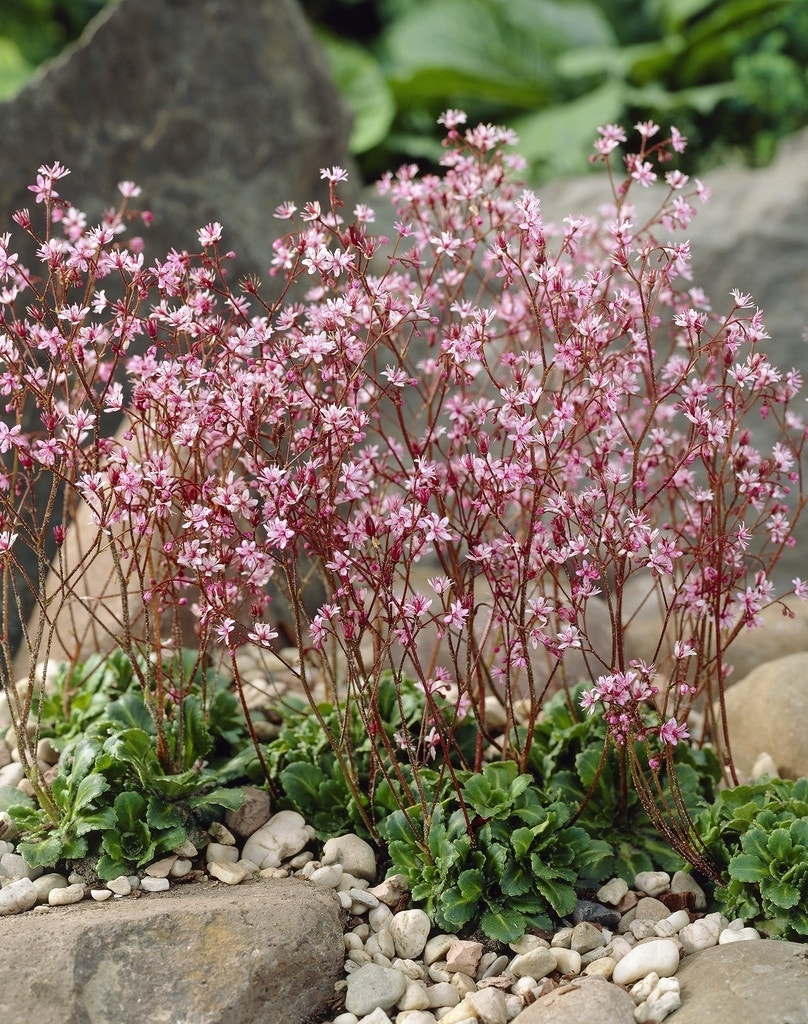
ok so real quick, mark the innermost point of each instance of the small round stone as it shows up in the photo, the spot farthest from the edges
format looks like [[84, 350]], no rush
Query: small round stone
[[354, 854], [99, 895], [658, 955], [121, 885], [154, 884], [410, 930], [613, 891], [65, 897], [652, 883]]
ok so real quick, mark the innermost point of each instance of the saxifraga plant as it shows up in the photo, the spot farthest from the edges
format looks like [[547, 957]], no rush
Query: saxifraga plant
[[549, 415], [759, 835]]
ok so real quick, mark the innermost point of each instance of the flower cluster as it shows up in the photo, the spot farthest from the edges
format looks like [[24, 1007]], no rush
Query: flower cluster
[[452, 453]]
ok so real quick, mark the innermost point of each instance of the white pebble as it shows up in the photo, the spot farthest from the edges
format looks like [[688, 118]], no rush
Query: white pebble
[[562, 938], [180, 868], [415, 996], [410, 930], [228, 872], [186, 849], [613, 891], [221, 834], [436, 948], [568, 961], [367, 901], [161, 868], [442, 994], [121, 885], [658, 1009], [17, 896], [658, 955], [644, 987], [737, 935], [538, 963], [672, 924], [99, 895], [380, 917], [355, 855], [154, 884], [327, 875], [45, 883], [701, 934], [221, 854], [652, 883], [65, 897], [14, 866]]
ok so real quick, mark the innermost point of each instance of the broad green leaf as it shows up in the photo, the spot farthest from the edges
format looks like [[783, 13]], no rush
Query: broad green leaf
[[503, 924], [161, 814], [778, 892], [471, 883], [560, 895], [130, 810], [561, 136], [361, 80], [83, 755], [521, 841], [14, 69], [10, 796], [197, 742], [228, 799], [89, 789], [454, 910], [406, 858], [498, 41], [129, 712], [779, 844], [302, 782], [515, 879], [746, 867], [98, 821], [43, 854]]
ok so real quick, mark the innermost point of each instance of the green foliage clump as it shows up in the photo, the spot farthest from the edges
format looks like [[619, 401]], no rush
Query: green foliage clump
[[335, 794], [504, 861], [759, 834], [575, 763], [112, 795]]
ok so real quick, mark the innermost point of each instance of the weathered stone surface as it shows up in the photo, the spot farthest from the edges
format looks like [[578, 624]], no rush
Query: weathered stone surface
[[217, 112], [767, 711], [585, 999], [763, 982], [260, 953]]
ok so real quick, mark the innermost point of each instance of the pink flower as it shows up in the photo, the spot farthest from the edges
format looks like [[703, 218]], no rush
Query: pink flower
[[671, 733], [210, 234]]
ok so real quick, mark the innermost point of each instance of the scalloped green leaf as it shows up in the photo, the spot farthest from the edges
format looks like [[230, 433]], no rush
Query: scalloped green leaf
[[503, 924]]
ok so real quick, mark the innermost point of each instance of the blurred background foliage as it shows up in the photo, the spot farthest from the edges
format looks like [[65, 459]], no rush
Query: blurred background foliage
[[731, 74]]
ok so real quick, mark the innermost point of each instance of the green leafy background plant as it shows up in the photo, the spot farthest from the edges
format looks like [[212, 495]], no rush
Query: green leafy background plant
[[112, 795], [731, 74]]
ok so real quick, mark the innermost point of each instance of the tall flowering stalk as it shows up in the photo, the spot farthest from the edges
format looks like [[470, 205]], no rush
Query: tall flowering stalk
[[480, 438]]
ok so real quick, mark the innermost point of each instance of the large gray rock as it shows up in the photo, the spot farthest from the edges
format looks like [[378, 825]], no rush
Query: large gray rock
[[218, 111], [767, 712], [761, 982], [584, 999], [257, 953]]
